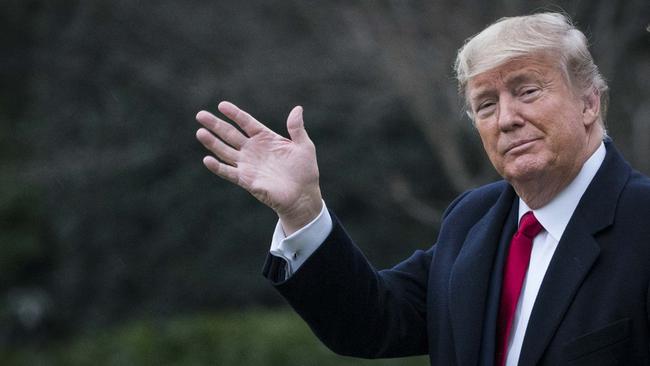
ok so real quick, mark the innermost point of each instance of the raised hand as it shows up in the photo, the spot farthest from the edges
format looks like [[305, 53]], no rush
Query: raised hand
[[281, 173]]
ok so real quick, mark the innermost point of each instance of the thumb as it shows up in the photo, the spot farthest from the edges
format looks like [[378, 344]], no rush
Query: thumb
[[296, 125]]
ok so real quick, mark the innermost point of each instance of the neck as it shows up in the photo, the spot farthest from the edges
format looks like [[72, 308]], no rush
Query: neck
[[537, 194]]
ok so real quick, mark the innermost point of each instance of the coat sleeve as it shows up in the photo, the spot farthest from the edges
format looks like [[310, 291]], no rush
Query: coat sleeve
[[354, 309]]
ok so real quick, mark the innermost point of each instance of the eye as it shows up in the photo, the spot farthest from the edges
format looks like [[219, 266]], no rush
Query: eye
[[529, 93], [485, 106], [485, 109]]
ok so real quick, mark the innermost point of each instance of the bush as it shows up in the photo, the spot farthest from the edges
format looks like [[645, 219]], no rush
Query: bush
[[254, 337]]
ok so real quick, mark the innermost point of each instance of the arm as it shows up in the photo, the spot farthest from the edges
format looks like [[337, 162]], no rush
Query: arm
[[354, 309]]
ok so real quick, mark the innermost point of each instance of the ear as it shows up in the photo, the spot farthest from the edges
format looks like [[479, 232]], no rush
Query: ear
[[591, 106]]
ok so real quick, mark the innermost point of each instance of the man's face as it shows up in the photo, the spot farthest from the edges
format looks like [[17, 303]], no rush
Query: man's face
[[532, 124]]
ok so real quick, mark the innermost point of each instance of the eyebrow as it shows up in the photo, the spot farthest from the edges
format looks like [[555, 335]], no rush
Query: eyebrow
[[482, 93], [518, 77], [523, 77]]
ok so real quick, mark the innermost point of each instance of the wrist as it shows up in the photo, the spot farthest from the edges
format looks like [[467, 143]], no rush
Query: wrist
[[305, 211]]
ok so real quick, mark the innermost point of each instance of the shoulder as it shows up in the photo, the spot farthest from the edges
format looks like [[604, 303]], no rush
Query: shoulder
[[636, 193], [477, 201], [638, 184], [617, 192]]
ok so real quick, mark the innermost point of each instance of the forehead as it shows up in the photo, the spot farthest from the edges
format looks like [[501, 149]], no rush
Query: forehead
[[512, 72]]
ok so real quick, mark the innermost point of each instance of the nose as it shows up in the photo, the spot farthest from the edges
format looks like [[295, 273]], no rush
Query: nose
[[509, 117]]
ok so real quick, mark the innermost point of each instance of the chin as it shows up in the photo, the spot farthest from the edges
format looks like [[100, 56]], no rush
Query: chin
[[524, 173]]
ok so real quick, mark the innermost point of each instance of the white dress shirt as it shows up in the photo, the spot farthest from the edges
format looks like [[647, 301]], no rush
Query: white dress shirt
[[554, 217]]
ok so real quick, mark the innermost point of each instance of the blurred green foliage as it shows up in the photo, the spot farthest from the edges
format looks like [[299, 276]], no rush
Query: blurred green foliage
[[254, 337], [20, 233]]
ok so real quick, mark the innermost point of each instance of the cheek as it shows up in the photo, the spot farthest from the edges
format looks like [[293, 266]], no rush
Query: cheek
[[490, 143], [567, 136], [488, 136]]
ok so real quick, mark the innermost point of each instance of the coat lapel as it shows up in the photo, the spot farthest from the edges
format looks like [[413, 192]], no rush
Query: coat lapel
[[470, 279], [576, 253], [573, 258]]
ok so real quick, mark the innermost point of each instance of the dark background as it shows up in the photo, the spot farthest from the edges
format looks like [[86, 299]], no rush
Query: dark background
[[107, 215]]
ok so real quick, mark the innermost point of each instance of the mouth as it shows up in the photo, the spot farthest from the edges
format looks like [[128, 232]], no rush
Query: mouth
[[520, 145]]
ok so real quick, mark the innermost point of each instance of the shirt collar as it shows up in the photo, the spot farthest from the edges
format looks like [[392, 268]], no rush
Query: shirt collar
[[555, 215]]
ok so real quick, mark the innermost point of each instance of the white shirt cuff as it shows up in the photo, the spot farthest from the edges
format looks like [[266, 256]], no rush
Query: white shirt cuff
[[297, 247]]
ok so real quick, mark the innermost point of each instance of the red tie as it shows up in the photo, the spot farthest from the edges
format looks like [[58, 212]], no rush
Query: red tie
[[513, 277]]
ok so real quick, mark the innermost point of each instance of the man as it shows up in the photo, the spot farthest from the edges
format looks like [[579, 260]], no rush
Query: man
[[550, 266]]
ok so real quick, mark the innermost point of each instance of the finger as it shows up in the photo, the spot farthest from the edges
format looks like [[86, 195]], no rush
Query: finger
[[244, 120], [296, 125], [224, 152], [222, 170], [226, 132]]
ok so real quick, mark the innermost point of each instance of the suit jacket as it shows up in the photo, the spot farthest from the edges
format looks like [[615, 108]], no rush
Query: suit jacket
[[592, 308]]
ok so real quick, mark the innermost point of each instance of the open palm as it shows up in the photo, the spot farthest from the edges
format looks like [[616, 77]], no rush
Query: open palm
[[282, 173]]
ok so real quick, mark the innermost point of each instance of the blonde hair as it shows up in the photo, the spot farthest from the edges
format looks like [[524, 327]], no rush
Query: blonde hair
[[546, 33]]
